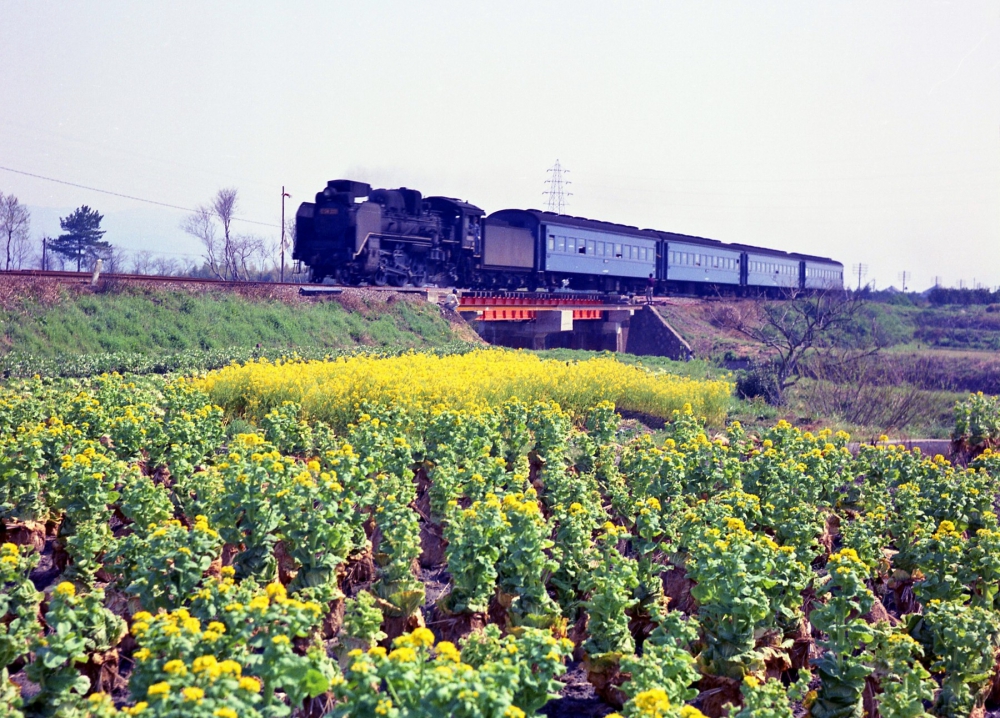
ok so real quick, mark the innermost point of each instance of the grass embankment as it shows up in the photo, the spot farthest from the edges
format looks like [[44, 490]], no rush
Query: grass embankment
[[78, 332]]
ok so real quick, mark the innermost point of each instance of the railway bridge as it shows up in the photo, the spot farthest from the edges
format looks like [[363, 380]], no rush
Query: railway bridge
[[599, 322]]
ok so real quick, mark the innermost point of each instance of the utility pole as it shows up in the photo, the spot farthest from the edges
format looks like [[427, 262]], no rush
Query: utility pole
[[45, 241], [283, 195], [861, 270], [903, 276], [556, 192], [937, 281]]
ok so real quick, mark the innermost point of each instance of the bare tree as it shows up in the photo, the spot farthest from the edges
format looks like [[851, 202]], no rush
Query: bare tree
[[165, 266], [877, 392], [142, 262], [15, 221], [114, 260], [229, 256], [798, 326]]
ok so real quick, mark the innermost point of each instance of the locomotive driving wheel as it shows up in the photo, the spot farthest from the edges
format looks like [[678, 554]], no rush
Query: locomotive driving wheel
[[418, 277]]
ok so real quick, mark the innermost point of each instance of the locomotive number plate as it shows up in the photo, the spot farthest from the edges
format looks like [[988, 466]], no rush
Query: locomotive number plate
[[329, 210]]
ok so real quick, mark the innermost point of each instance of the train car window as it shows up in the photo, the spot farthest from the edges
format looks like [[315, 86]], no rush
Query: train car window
[[591, 247], [571, 244], [552, 242], [560, 244], [618, 250]]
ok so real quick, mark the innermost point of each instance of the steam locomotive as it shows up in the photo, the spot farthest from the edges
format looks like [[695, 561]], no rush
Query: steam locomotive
[[355, 235]]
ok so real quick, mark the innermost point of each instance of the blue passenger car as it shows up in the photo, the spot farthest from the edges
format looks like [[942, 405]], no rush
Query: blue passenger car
[[570, 251]]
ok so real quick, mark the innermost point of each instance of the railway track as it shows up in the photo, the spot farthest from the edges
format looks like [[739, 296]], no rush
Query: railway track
[[487, 305], [87, 278], [468, 298]]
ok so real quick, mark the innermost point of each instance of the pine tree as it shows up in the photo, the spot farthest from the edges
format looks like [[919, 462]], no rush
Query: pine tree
[[82, 239]]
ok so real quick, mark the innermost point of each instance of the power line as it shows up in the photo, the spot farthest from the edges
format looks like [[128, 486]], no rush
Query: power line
[[556, 191], [126, 196]]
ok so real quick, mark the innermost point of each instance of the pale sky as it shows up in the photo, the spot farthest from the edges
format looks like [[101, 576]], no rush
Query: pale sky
[[865, 131]]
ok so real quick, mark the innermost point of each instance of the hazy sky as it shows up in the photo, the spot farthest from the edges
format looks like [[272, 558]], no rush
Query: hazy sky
[[866, 131]]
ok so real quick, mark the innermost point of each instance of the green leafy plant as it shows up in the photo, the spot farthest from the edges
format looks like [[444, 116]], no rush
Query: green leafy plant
[[841, 670], [79, 626]]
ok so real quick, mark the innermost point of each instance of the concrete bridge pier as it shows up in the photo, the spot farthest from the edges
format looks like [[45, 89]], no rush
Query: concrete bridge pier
[[636, 330]]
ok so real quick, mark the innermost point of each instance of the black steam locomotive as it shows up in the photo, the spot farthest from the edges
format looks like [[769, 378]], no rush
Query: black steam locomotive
[[356, 235]]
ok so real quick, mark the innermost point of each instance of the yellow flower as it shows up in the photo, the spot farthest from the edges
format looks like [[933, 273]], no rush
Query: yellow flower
[[65, 589], [224, 713], [652, 703], [175, 667], [158, 689], [230, 668], [141, 655], [280, 640], [513, 712], [383, 707], [259, 603], [250, 685], [193, 693], [423, 637], [204, 663], [446, 650], [403, 655], [735, 524], [136, 709]]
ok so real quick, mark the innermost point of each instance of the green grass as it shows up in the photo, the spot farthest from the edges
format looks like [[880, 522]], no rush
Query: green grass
[[164, 321], [694, 369]]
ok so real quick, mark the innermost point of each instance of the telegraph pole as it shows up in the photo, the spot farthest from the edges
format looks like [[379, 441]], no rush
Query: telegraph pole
[[283, 195], [861, 270], [45, 241], [903, 276]]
